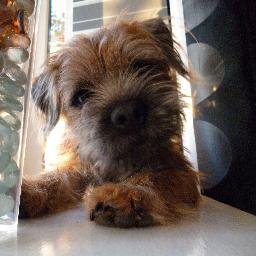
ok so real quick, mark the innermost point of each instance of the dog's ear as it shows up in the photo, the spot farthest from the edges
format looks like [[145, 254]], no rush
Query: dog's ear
[[162, 35], [45, 95]]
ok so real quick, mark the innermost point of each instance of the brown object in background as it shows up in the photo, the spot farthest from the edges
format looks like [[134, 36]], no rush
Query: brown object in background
[[12, 22]]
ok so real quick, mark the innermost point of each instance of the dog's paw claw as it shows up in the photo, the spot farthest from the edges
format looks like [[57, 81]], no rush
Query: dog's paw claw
[[112, 214], [99, 206]]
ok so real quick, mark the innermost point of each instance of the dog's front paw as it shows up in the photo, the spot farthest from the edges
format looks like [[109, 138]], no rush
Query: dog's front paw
[[119, 205], [32, 200]]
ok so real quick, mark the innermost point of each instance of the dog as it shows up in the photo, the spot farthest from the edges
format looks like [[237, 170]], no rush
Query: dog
[[117, 92]]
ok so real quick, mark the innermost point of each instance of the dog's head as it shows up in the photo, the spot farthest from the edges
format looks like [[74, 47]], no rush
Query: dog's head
[[117, 91]]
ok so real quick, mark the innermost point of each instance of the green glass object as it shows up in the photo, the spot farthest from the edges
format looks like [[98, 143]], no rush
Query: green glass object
[[10, 175], [17, 40], [3, 188], [7, 204], [5, 136], [14, 50], [1, 63], [10, 87], [8, 102], [14, 72], [10, 118], [9, 140], [13, 145], [5, 159], [6, 126], [26, 5], [17, 54]]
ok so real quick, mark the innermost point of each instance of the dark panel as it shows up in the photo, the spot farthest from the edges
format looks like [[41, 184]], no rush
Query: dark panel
[[231, 107], [87, 25], [87, 12]]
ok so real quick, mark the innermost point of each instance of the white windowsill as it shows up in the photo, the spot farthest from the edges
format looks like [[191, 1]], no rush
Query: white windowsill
[[220, 230]]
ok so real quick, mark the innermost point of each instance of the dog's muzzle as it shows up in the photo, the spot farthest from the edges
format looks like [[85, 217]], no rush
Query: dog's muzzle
[[128, 116]]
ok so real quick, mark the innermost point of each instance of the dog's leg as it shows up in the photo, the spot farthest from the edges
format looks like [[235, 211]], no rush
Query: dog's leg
[[52, 192], [144, 199]]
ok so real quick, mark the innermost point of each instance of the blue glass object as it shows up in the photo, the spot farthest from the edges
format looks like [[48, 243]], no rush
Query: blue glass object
[[9, 102], [14, 72], [5, 159], [10, 119], [17, 54], [14, 51], [10, 175], [7, 204], [10, 87]]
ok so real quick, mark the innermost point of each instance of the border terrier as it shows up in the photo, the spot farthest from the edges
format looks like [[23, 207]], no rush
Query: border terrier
[[117, 92]]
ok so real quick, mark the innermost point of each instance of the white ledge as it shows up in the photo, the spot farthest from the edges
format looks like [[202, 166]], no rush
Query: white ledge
[[219, 230]]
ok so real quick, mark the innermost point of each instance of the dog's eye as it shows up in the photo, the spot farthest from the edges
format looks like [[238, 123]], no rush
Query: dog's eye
[[80, 97], [144, 65]]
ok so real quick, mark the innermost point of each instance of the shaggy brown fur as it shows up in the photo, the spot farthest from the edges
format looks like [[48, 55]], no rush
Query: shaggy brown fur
[[117, 92]]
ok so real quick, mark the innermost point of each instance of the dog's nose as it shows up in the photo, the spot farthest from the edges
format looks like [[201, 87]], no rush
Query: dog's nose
[[129, 115]]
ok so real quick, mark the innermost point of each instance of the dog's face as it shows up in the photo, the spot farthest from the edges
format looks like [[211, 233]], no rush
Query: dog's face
[[118, 94]]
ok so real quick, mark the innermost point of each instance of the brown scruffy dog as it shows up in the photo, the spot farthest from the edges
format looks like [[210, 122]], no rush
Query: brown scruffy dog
[[117, 92]]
